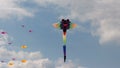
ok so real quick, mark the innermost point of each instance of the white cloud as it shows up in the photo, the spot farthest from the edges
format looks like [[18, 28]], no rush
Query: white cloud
[[107, 21], [69, 64], [11, 8], [103, 14], [34, 60], [56, 2]]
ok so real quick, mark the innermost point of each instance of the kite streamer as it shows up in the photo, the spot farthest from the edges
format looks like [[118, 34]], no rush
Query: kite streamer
[[64, 38]]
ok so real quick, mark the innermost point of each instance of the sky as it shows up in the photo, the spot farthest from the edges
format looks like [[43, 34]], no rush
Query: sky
[[94, 43]]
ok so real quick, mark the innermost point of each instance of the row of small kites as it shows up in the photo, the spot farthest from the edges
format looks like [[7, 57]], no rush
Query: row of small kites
[[11, 63], [3, 32]]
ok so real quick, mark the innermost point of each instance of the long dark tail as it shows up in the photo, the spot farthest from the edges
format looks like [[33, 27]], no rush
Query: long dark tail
[[64, 51], [64, 46]]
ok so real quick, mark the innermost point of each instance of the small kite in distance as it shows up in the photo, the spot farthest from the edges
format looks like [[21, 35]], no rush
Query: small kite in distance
[[23, 61], [13, 59], [23, 46], [23, 25], [2, 61], [3, 32], [30, 30], [11, 63], [9, 43]]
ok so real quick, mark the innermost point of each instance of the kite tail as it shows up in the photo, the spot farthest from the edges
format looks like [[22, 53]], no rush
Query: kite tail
[[64, 38], [64, 46], [64, 51]]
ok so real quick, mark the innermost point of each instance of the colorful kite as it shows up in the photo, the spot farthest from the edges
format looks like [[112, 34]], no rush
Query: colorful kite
[[23, 46], [30, 30], [11, 63], [23, 61], [3, 32], [64, 25]]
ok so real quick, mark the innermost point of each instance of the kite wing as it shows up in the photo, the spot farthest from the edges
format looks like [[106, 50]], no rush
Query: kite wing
[[56, 25], [73, 25]]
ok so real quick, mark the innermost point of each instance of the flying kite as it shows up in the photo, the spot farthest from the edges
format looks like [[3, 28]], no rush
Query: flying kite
[[64, 25], [3, 32], [11, 63], [13, 58], [2, 61], [23, 61], [9, 43], [23, 46], [23, 25], [30, 30]]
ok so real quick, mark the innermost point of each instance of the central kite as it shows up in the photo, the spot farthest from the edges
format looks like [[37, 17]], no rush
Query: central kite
[[64, 25]]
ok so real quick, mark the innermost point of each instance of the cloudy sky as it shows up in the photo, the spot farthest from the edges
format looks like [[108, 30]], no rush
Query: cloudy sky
[[95, 43]]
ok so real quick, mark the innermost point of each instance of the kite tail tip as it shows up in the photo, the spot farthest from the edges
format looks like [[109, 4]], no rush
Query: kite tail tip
[[64, 50], [64, 58]]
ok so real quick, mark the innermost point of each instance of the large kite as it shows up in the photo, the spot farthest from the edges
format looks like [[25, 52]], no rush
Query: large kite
[[64, 25]]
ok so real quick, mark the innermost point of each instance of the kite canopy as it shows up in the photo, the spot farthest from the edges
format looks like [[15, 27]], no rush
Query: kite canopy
[[23, 61], [23, 46]]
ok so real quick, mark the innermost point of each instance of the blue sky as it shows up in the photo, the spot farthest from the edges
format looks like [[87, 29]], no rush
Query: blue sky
[[93, 44]]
